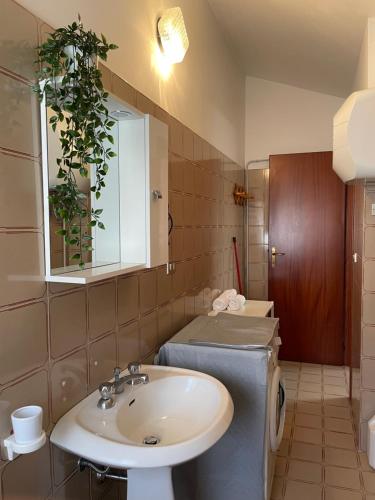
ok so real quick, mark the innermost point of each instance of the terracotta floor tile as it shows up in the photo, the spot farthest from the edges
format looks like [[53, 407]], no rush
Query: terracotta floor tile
[[339, 494], [307, 420], [305, 471], [298, 491], [312, 408], [306, 435], [338, 425], [277, 489], [369, 480], [339, 440], [343, 478], [337, 412], [339, 457], [305, 451]]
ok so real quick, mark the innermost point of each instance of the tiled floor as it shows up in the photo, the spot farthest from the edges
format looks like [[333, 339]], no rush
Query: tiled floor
[[318, 458]]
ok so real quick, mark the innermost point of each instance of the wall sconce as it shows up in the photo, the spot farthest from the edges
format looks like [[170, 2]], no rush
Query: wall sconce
[[172, 35]]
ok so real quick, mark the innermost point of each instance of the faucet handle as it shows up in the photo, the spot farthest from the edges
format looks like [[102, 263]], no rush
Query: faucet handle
[[106, 400], [116, 373], [106, 390], [134, 367]]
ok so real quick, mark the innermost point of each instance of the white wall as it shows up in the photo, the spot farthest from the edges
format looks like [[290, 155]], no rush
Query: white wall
[[365, 74], [285, 119], [206, 92]]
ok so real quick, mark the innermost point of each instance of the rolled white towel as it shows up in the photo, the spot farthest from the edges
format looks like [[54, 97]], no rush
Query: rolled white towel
[[236, 303], [222, 301]]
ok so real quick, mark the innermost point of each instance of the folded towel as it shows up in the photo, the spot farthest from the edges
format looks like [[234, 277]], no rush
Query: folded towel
[[222, 302], [236, 303]]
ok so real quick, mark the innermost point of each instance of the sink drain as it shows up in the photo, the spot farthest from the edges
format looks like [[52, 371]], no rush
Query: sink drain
[[151, 440]]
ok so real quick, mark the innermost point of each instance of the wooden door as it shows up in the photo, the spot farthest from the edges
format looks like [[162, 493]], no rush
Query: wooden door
[[307, 224]]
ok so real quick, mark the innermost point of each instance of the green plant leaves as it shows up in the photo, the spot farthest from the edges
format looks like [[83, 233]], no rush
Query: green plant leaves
[[79, 105]]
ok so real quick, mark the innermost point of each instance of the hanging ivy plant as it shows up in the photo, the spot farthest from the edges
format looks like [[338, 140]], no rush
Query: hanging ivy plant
[[71, 84]]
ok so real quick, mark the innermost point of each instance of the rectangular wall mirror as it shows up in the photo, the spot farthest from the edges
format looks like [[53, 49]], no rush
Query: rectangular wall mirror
[[128, 208]]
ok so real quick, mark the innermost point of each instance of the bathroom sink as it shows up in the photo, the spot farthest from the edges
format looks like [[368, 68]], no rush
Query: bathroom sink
[[177, 416]]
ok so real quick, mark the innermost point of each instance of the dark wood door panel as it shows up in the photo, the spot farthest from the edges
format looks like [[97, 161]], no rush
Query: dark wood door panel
[[307, 223]]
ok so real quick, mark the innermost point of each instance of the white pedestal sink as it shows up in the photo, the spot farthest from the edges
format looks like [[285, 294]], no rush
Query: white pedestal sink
[[180, 413]]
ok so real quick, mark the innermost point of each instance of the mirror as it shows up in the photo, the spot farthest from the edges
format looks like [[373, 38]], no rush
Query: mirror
[[106, 242]]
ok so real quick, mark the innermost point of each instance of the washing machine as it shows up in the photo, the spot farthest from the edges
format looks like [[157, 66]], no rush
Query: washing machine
[[242, 352]]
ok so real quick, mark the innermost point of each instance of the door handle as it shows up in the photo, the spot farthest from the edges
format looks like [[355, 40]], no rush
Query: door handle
[[275, 254]]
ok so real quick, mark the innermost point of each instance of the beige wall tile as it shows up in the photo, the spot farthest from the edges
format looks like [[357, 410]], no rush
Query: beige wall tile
[[369, 200], [128, 299], [176, 208], [176, 173], [148, 291], [367, 404], [129, 344], [68, 383], [164, 285], [368, 308], [106, 77], [67, 331], [148, 327], [18, 40], [178, 279], [165, 330], [144, 104], [256, 235], [188, 143], [19, 127], [178, 314], [369, 238], [76, 488], [102, 309], [20, 192], [23, 340], [177, 243], [123, 90], [29, 391], [102, 360], [28, 477], [368, 341], [22, 278], [63, 464], [175, 136], [368, 373], [189, 216], [369, 275], [257, 254], [256, 178], [256, 216], [188, 177]]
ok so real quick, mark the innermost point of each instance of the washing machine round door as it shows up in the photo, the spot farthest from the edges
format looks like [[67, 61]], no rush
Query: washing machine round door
[[277, 409]]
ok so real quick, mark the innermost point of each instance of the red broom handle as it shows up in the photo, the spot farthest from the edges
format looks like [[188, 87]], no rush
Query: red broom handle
[[237, 265]]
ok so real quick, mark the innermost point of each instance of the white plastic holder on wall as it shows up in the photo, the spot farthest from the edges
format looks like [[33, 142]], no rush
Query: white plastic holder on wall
[[11, 449], [28, 435]]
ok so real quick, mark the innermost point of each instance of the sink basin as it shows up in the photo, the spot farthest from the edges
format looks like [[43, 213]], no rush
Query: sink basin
[[177, 416]]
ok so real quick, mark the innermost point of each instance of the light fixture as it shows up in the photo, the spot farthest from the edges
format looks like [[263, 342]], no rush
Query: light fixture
[[172, 34]]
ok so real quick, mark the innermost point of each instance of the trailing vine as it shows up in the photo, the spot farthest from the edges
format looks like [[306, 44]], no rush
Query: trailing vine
[[71, 84]]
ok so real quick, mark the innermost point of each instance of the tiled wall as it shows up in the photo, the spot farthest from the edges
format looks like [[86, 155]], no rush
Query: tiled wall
[[58, 342], [367, 352], [257, 233]]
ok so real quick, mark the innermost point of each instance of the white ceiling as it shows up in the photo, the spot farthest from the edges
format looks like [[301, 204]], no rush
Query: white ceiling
[[313, 44]]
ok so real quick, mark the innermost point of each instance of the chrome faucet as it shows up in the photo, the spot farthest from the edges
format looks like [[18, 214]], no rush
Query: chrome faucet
[[107, 389]]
